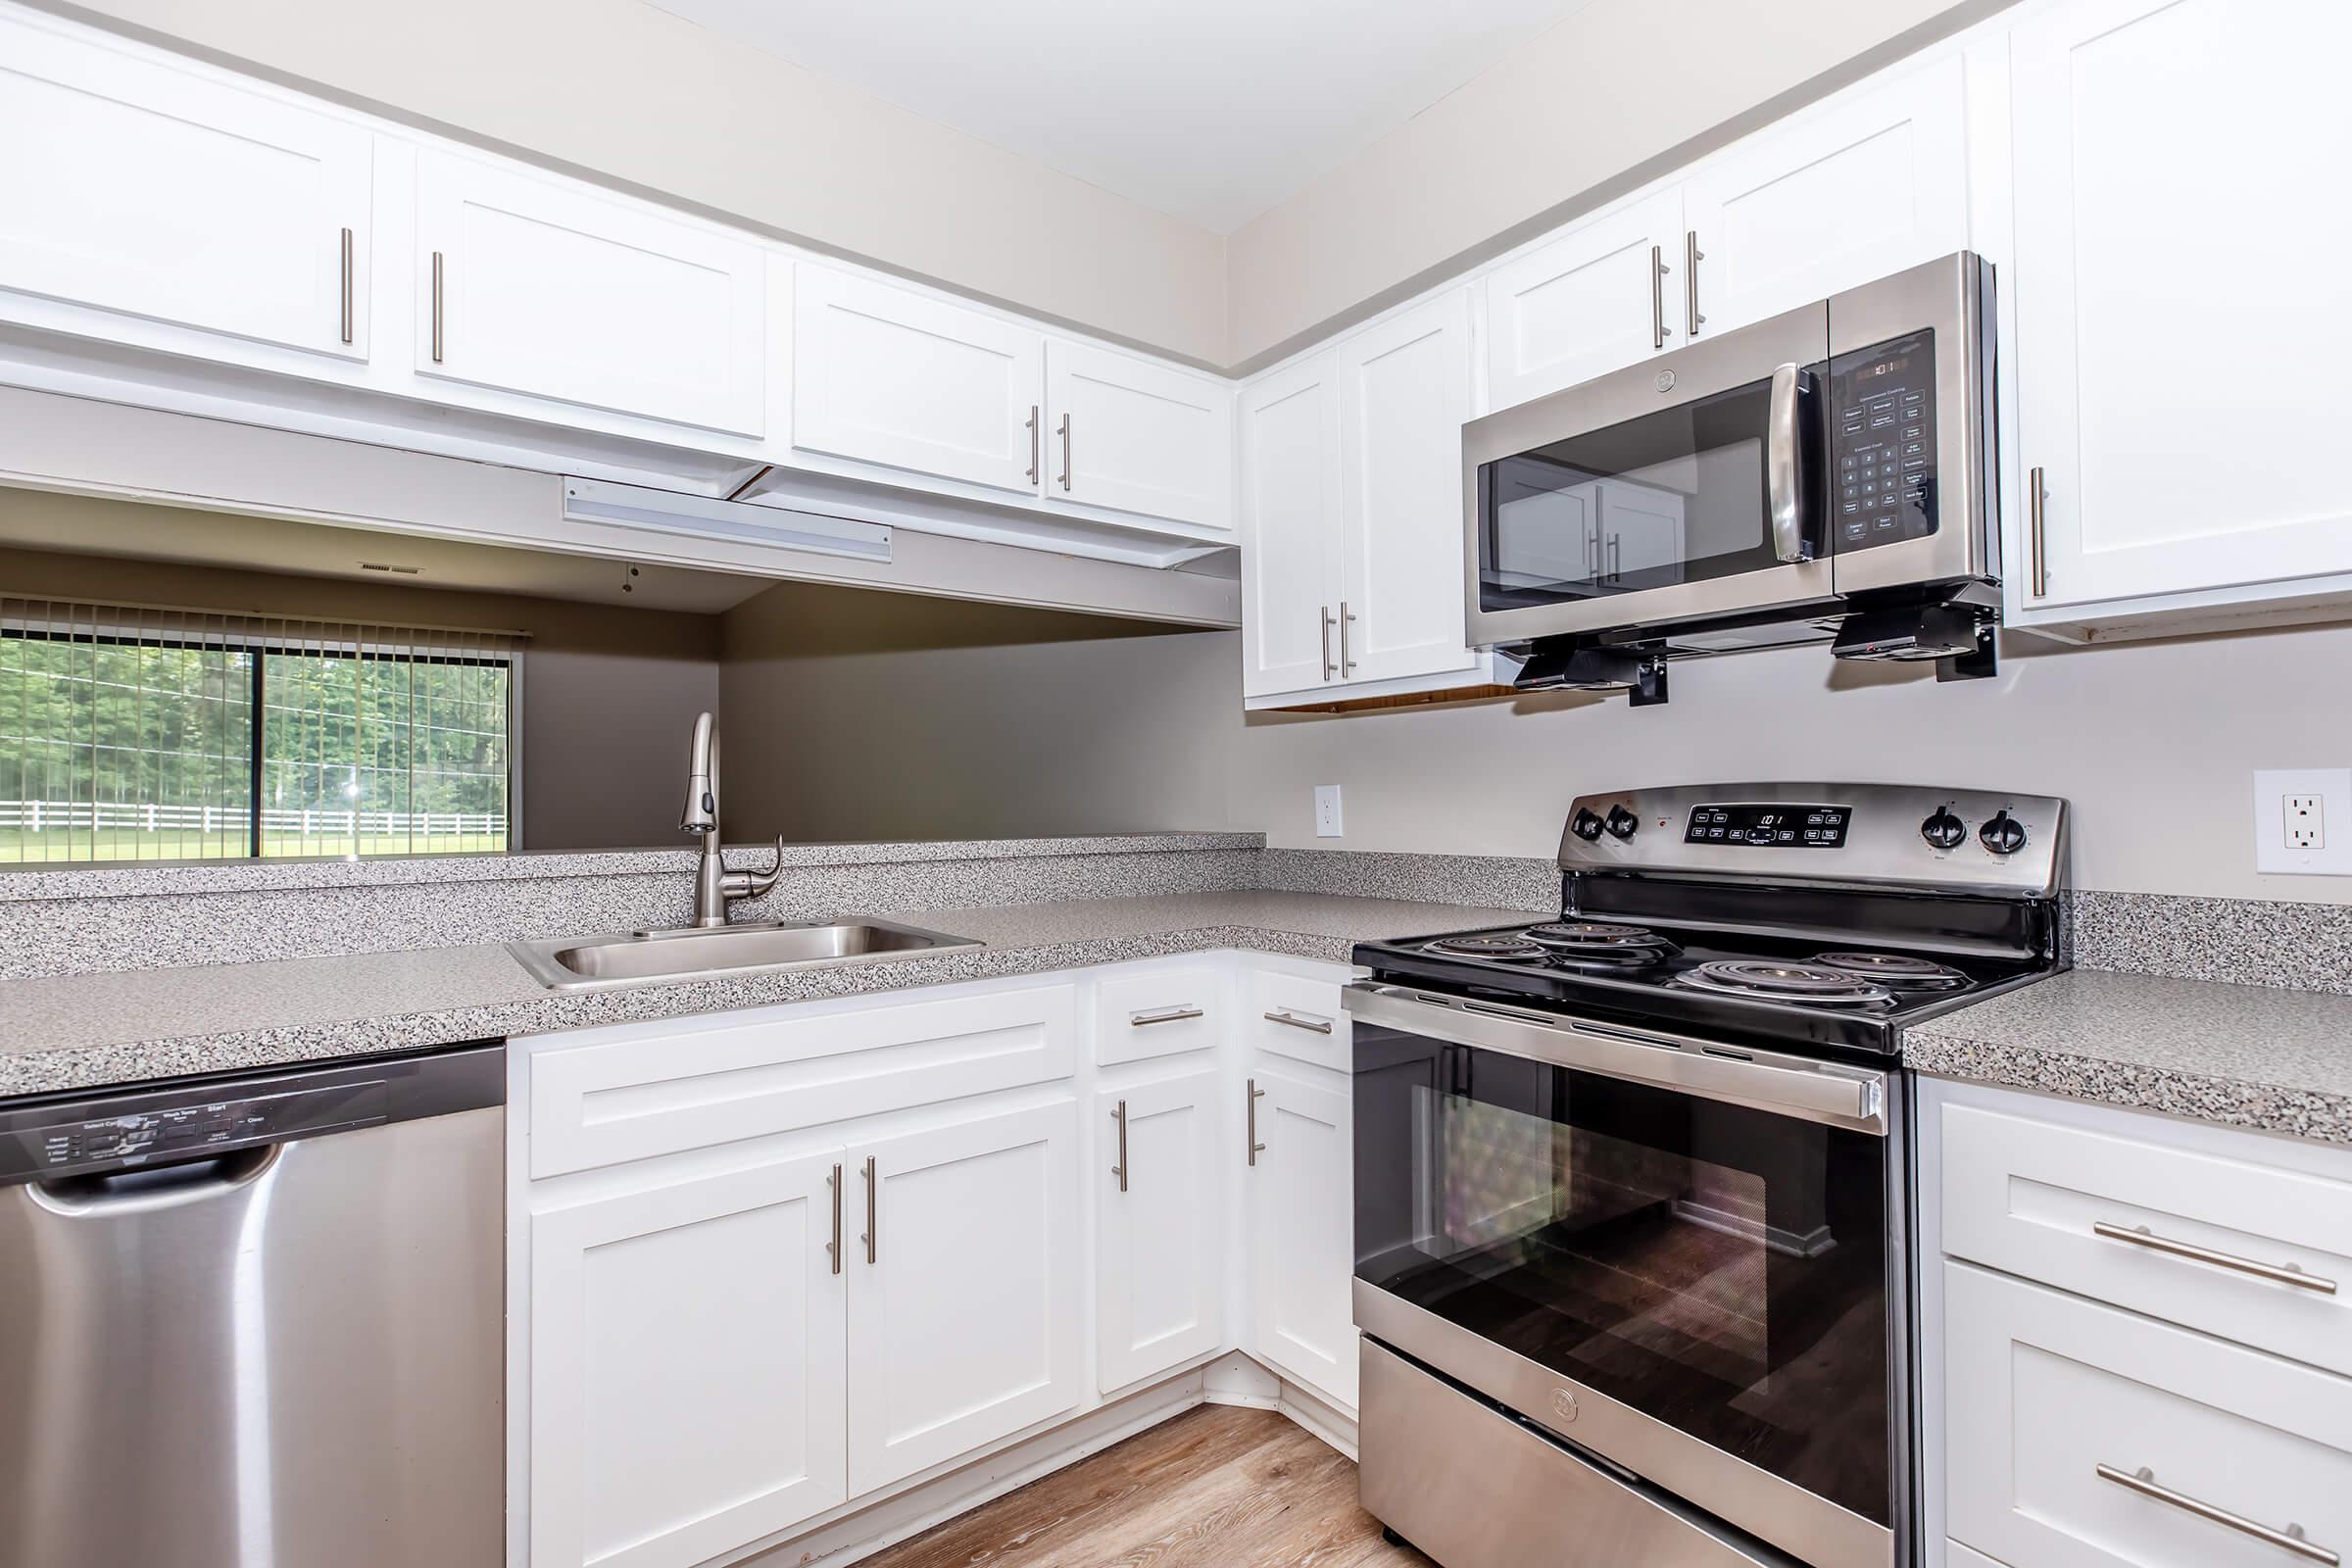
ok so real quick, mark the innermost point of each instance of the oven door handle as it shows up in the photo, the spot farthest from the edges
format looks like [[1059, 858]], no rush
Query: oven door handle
[[1785, 467], [1827, 1093]]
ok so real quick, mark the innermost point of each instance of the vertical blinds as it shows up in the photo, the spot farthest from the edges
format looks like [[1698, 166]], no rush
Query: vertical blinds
[[148, 732]]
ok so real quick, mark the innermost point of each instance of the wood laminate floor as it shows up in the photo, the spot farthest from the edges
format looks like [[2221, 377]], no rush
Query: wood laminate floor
[[1218, 1487]]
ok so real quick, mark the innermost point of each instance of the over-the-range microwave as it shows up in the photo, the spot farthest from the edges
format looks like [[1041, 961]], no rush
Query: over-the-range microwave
[[1822, 475]]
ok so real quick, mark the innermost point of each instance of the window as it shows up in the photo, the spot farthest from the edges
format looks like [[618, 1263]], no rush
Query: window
[[142, 734]]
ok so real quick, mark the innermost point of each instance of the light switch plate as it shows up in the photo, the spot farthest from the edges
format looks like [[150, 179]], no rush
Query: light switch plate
[[1327, 810], [2303, 821]]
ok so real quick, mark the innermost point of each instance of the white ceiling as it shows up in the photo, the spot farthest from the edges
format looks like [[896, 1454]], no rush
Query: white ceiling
[[1210, 111]]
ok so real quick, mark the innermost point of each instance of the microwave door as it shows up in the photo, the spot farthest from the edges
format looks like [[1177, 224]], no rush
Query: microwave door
[[1678, 488]]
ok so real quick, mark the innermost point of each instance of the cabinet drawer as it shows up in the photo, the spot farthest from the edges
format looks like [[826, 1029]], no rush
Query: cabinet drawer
[[1294, 1016], [658, 1092], [2080, 1437], [1162, 1014], [2029, 1196]]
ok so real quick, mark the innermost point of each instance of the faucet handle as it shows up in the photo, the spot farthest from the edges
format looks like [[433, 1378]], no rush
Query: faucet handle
[[735, 885]]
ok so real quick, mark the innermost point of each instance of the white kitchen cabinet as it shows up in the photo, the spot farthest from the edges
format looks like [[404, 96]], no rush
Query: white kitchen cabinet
[[1840, 195], [966, 1289], [2176, 279], [886, 375], [1159, 1282], [162, 195], [1405, 390], [1301, 1177], [686, 1376], [1128, 435], [2079, 1436], [1604, 294], [1289, 435], [539, 287]]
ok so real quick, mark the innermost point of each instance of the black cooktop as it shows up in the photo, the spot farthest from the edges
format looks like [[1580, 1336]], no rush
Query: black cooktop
[[1839, 995]]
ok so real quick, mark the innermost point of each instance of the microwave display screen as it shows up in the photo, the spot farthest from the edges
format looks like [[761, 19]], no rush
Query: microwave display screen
[[1883, 441]]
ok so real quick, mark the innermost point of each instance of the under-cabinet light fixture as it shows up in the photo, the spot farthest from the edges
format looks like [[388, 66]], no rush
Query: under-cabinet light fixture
[[708, 517]]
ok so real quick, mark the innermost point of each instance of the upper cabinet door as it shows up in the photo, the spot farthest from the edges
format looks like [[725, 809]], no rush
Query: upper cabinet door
[[1405, 391], [887, 376], [1290, 526], [1604, 295], [685, 1369], [1132, 436], [1835, 197], [137, 189], [966, 1286], [2177, 258], [534, 287]]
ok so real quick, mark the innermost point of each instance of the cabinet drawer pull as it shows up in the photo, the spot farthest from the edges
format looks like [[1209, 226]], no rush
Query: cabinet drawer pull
[[1175, 1015], [1317, 1026], [1255, 1095], [437, 270], [2143, 1481], [2276, 1273], [1120, 1169], [347, 266], [833, 1246], [873, 1232], [1033, 443]]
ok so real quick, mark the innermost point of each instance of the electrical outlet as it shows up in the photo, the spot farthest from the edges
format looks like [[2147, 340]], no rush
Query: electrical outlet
[[2291, 812], [1327, 810]]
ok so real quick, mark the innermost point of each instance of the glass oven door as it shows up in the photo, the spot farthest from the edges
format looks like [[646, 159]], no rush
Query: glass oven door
[[1728, 1267], [1687, 486]]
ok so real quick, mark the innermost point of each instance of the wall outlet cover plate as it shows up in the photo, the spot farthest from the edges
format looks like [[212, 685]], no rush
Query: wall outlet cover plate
[[2313, 840], [1327, 810]]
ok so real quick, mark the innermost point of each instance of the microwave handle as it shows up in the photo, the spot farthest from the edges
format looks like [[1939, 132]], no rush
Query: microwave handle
[[1785, 467]]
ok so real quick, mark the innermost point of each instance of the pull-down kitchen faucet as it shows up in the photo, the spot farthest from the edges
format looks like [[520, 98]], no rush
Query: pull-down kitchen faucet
[[715, 885]]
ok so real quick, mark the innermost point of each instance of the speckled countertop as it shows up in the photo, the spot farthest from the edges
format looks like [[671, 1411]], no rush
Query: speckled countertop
[[80, 1031], [2247, 1056]]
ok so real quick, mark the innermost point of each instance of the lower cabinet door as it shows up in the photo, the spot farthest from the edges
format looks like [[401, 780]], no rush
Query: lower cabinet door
[[1301, 1225], [1160, 1280], [686, 1368], [2081, 1436], [965, 1285]]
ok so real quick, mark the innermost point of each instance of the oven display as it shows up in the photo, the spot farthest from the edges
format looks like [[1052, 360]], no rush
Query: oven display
[[1803, 827], [1882, 443]]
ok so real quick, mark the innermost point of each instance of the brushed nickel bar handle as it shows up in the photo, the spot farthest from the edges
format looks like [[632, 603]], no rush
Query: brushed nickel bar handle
[[1064, 433], [2143, 1481], [1691, 257], [1312, 1026], [347, 285], [437, 267], [1033, 442], [1176, 1014], [1785, 467], [833, 1246], [1255, 1095], [1325, 612], [1120, 1169], [2276, 1273], [873, 1232], [2036, 497], [1657, 296], [1346, 661]]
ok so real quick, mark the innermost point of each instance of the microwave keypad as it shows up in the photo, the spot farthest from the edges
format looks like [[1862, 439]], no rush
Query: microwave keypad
[[1882, 443]]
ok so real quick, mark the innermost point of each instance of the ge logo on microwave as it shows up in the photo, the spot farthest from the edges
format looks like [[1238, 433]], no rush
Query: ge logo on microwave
[[1665, 380]]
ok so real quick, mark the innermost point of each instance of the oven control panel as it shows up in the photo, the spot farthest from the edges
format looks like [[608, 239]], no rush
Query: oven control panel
[[1882, 443], [1776, 826]]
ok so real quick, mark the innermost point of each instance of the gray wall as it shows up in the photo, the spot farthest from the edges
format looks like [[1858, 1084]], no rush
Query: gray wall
[[608, 693]]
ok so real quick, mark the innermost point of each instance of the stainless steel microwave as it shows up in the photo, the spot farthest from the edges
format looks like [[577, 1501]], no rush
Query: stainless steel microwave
[[1822, 475]]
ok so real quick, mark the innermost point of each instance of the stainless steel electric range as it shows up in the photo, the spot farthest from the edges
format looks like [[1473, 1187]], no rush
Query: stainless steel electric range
[[1633, 1186]]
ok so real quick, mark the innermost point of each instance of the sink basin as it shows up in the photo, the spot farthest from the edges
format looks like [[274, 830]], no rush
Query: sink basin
[[575, 963]]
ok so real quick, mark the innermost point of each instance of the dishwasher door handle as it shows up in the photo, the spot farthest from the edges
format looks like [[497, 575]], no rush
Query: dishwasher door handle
[[145, 1187]]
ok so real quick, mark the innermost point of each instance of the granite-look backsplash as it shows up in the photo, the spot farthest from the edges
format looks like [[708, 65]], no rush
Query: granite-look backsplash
[[1501, 882], [2247, 942]]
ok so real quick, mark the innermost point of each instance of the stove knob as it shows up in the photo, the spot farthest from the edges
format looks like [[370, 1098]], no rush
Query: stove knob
[[1622, 823], [1944, 830], [2003, 834], [1586, 825]]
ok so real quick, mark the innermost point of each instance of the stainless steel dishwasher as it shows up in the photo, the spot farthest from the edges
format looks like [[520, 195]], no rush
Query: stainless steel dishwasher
[[256, 1322]]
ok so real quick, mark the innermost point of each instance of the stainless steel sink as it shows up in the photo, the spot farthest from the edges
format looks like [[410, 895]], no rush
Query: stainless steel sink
[[579, 964]]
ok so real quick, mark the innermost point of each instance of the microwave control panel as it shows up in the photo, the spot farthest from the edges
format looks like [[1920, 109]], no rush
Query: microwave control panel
[[1882, 443]]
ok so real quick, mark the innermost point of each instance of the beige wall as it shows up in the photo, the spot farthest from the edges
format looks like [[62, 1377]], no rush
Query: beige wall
[[618, 89], [609, 694], [856, 714]]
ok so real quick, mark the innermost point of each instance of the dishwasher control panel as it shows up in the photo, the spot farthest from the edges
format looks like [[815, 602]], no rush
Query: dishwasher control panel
[[152, 1129]]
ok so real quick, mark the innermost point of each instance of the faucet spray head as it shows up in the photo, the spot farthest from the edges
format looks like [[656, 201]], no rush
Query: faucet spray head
[[702, 791]]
